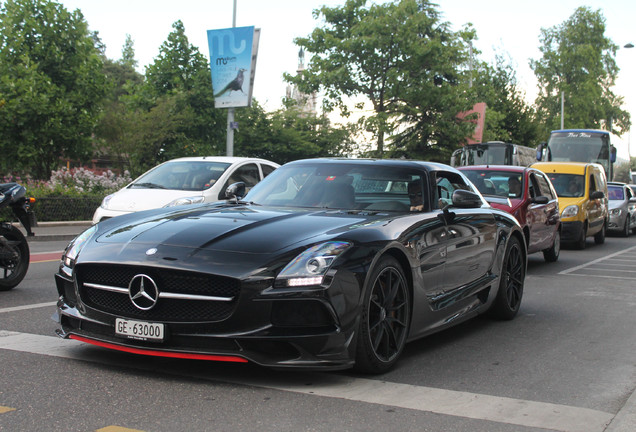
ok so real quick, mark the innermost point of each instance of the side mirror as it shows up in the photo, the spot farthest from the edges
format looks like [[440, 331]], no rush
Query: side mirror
[[466, 199], [235, 191], [597, 195], [540, 151], [541, 200], [612, 154]]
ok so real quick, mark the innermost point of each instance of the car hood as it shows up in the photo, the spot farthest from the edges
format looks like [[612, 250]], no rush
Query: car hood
[[138, 199], [246, 229], [505, 204], [612, 204]]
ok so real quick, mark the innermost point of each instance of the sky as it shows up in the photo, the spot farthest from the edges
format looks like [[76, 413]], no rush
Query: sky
[[503, 27]]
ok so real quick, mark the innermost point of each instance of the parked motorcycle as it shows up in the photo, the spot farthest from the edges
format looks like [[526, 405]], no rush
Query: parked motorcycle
[[14, 249]]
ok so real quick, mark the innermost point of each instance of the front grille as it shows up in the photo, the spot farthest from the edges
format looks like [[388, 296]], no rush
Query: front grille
[[168, 281]]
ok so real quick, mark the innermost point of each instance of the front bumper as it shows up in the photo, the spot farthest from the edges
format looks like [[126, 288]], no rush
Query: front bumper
[[291, 330], [617, 223], [571, 231]]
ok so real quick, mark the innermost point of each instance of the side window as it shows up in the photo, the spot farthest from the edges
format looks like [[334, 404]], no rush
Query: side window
[[267, 169], [592, 183], [628, 193], [247, 174], [447, 183], [544, 187], [533, 188]]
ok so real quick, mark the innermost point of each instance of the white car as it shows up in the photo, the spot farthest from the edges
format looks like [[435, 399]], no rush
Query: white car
[[184, 181]]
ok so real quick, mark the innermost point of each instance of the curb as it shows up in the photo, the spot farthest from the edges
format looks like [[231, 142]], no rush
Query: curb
[[46, 231]]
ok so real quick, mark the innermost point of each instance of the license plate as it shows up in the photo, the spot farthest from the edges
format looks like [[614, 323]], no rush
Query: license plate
[[139, 329]]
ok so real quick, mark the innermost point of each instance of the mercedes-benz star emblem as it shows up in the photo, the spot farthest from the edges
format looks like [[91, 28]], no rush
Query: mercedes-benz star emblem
[[143, 292]]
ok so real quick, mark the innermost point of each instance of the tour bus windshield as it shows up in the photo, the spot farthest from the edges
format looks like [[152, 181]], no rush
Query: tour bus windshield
[[477, 154], [580, 147], [493, 153]]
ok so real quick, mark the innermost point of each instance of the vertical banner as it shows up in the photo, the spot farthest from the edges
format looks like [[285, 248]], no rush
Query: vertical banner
[[232, 64]]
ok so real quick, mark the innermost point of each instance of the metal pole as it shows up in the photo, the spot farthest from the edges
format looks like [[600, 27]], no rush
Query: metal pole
[[562, 109], [229, 145]]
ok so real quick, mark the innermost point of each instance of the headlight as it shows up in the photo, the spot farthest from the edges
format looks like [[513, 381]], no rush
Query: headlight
[[310, 267], [185, 201], [615, 212], [105, 201], [570, 211], [75, 246]]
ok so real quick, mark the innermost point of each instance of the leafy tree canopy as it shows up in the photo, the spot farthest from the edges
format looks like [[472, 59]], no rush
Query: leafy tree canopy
[[51, 85], [579, 60], [401, 58]]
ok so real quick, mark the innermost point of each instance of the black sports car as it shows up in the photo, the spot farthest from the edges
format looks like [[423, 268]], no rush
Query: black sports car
[[326, 263]]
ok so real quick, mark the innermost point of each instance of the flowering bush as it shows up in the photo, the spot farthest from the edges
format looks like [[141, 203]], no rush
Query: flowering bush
[[74, 182]]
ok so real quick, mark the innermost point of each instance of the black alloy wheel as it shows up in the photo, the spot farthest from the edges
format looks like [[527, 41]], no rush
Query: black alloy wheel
[[511, 282], [384, 322]]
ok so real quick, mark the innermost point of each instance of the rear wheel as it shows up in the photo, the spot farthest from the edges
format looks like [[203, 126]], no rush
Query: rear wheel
[[511, 282], [599, 237], [384, 321], [552, 253], [14, 257]]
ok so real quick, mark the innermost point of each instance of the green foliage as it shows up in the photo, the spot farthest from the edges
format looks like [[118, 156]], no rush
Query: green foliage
[[403, 60], [508, 117], [287, 134], [579, 60], [50, 86], [621, 173]]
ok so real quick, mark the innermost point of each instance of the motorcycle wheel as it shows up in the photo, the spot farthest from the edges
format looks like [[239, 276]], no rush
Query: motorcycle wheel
[[14, 257]]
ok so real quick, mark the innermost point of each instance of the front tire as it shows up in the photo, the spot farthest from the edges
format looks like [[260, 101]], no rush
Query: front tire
[[385, 318], [511, 282], [552, 253], [580, 243], [14, 257], [626, 229], [599, 237]]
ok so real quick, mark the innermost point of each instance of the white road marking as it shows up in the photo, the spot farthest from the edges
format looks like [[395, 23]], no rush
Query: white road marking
[[26, 307], [596, 261], [454, 403]]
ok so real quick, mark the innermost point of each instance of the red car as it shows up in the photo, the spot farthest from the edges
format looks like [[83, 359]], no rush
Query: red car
[[528, 195]]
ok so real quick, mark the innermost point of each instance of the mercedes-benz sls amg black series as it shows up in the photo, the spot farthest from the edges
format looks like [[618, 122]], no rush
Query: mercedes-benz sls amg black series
[[327, 263]]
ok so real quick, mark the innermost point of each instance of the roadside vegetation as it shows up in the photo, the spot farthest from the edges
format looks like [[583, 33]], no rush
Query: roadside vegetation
[[62, 101]]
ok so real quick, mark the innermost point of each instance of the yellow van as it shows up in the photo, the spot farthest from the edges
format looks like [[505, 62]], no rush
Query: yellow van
[[582, 191]]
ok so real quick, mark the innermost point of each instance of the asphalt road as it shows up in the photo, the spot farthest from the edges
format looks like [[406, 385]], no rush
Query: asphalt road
[[566, 363]]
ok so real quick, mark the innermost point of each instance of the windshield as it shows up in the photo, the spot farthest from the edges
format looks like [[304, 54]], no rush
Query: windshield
[[615, 193], [480, 154], [340, 186], [579, 147], [568, 185], [182, 175], [507, 184]]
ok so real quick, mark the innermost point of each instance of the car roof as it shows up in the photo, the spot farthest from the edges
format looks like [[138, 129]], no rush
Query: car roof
[[225, 159], [565, 167], [428, 166], [511, 168], [613, 183]]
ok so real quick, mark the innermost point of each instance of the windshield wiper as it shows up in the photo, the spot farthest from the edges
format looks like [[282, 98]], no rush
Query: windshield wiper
[[148, 185]]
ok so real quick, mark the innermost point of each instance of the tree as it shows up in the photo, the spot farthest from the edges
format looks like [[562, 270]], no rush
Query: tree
[[51, 86], [288, 134], [392, 54], [579, 60], [509, 117], [175, 105]]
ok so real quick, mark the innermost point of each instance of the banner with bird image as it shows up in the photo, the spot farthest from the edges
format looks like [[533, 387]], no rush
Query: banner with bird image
[[232, 64]]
